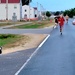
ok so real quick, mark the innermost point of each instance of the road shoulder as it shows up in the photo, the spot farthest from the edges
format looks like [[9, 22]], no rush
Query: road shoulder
[[34, 41]]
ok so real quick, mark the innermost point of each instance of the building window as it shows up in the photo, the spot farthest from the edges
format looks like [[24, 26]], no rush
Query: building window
[[14, 14], [15, 7], [25, 10], [35, 15]]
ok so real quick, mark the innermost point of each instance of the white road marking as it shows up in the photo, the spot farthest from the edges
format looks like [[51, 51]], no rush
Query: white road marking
[[32, 55]]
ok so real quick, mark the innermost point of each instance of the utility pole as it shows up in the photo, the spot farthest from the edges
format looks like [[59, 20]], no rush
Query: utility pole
[[20, 10], [0, 43], [43, 10], [40, 9], [37, 10], [6, 9], [40, 12], [45, 13], [29, 10]]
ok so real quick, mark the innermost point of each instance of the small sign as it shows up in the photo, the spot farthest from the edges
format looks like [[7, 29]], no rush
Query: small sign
[[14, 17]]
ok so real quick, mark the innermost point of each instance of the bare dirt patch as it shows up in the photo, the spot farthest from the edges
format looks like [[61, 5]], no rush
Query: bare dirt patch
[[27, 42]]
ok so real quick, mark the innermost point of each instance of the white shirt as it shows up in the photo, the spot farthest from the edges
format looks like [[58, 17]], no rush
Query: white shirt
[[73, 20]]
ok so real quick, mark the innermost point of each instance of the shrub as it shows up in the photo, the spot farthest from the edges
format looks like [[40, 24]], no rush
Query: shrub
[[5, 36]]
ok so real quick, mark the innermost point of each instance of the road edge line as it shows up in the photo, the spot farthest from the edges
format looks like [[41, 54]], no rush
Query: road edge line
[[32, 55]]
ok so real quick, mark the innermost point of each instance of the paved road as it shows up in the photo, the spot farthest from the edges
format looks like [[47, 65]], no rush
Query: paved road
[[56, 56], [22, 31], [3, 30], [10, 63]]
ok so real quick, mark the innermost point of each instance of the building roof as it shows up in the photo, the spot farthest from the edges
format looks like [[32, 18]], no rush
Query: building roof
[[10, 1], [35, 8]]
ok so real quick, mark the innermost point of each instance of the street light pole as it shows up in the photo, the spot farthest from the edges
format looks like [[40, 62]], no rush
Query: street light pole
[[6, 9]]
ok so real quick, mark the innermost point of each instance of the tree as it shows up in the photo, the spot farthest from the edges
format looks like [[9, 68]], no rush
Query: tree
[[70, 12], [57, 13], [48, 14], [26, 2], [67, 12]]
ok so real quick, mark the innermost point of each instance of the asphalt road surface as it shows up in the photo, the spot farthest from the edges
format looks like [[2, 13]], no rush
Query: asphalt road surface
[[56, 56], [23, 31], [10, 63]]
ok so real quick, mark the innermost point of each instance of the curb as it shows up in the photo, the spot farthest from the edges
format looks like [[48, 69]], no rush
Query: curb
[[32, 55]]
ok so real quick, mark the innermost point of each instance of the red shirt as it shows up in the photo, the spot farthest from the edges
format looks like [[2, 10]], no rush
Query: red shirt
[[61, 21]]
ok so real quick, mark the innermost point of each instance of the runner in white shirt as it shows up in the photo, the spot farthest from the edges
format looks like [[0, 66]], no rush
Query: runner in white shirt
[[73, 22], [67, 18]]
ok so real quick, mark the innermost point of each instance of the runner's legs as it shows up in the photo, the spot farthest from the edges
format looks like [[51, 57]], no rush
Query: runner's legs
[[61, 27]]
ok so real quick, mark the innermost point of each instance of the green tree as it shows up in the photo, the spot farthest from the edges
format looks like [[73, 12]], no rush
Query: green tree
[[57, 13], [70, 12], [66, 12], [48, 14]]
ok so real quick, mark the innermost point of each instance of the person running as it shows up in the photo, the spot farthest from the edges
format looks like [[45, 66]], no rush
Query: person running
[[56, 20], [73, 22], [61, 21], [67, 17]]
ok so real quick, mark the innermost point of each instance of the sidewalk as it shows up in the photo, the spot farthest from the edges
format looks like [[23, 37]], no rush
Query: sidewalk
[[3, 27]]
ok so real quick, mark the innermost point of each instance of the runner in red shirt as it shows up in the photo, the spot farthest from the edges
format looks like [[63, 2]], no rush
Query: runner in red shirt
[[61, 21]]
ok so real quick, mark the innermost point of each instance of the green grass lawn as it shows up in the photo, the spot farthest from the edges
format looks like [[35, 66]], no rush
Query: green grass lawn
[[8, 39], [13, 40], [29, 26]]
